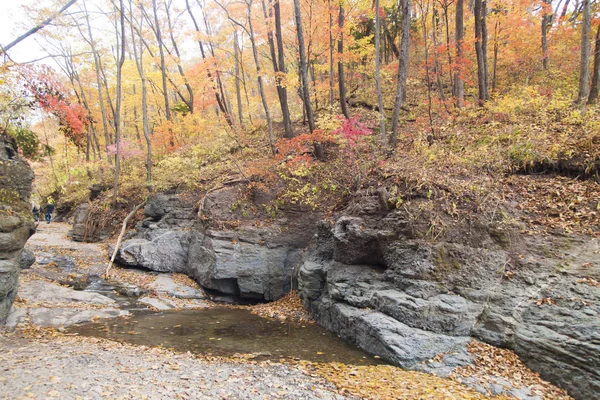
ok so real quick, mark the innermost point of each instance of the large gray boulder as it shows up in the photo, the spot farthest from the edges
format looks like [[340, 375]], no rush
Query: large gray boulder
[[16, 221], [27, 259], [373, 281], [246, 260]]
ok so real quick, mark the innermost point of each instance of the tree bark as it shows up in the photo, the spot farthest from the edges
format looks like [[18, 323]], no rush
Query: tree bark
[[118, 124], [480, 49], [139, 61], [596, 74], [161, 52], [341, 76], [378, 74], [261, 88], [331, 72], [402, 71], [546, 24], [584, 68], [459, 84], [238, 92]]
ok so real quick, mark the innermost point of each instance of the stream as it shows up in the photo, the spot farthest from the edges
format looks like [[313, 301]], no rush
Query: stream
[[225, 332]]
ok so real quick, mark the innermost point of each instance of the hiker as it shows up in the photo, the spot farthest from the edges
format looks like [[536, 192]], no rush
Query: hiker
[[49, 210], [36, 213]]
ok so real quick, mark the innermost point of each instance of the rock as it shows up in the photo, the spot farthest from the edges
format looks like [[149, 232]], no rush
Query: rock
[[82, 231], [165, 284], [160, 250], [241, 264], [160, 305], [46, 292], [59, 317], [16, 221], [371, 280], [27, 259], [250, 262]]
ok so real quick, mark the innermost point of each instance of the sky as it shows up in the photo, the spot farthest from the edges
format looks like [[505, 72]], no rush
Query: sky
[[13, 23]]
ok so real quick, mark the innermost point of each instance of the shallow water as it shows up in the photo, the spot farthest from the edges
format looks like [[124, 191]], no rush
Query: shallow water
[[225, 332]]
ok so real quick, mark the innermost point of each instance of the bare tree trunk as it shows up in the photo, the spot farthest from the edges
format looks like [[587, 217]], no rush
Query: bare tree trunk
[[495, 60], [402, 71], [304, 77], [98, 82], [238, 92], [331, 72], [161, 52], [459, 84], [584, 68], [546, 24], [341, 77], [378, 74], [480, 49], [279, 66], [261, 88], [139, 61], [190, 99], [118, 124], [596, 74]]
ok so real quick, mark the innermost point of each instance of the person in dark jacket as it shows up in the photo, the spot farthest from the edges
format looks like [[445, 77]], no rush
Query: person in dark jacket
[[49, 211], [36, 213]]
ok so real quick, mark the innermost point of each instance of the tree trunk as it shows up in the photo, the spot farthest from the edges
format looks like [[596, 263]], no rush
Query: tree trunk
[[139, 60], [341, 77], [495, 60], [238, 92], [402, 71], [118, 124], [480, 49], [304, 77], [98, 82], [278, 61], [459, 84], [261, 88], [161, 52], [378, 74], [190, 99], [331, 72], [584, 68], [546, 24], [596, 74]]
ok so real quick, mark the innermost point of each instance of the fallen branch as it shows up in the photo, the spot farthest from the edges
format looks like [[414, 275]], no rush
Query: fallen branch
[[123, 228]]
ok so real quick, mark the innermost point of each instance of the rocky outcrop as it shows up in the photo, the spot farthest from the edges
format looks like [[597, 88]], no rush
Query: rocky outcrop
[[245, 260], [16, 222], [27, 259], [376, 281]]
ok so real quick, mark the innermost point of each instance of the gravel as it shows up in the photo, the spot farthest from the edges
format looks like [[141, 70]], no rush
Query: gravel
[[74, 368]]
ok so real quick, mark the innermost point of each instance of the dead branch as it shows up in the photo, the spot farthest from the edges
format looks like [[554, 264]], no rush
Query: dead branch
[[120, 238]]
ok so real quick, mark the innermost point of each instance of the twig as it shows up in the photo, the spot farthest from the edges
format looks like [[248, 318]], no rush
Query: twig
[[123, 228]]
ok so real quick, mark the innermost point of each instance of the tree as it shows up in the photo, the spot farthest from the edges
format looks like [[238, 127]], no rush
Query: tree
[[459, 85], [139, 62], [341, 76], [596, 73], [118, 123], [481, 49], [378, 73], [47, 21], [584, 66], [547, 17], [402, 71]]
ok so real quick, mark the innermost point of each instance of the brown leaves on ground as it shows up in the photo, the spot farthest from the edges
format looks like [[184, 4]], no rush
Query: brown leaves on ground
[[289, 307], [389, 382], [493, 361], [557, 203]]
